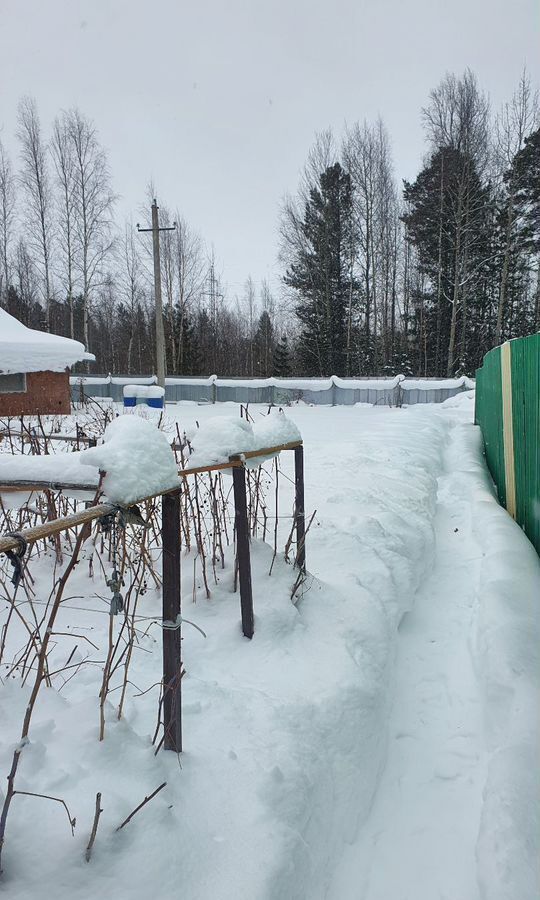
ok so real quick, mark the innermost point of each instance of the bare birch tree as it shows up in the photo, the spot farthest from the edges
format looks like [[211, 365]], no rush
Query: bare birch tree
[[131, 284], [93, 209], [62, 151], [26, 281], [367, 158], [7, 218], [190, 276], [35, 180], [168, 279], [249, 301]]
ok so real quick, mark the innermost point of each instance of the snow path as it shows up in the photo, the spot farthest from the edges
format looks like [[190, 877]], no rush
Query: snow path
[[420, 837], [331, 726]]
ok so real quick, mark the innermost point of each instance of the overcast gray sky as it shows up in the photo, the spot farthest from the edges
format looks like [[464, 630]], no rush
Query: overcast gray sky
[[218, 100]]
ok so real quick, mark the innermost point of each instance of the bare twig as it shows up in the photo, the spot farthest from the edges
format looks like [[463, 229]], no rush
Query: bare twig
[[140, 806], [97, 814], [72, 820]]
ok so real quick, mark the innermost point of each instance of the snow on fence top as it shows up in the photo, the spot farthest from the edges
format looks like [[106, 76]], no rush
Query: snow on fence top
[[24, 349], [146, 391], [220, 438], [294, 384], [437, 384], [137, 458]]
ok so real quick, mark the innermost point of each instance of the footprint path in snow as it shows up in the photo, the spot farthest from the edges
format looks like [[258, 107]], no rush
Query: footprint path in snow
[[419, 840]]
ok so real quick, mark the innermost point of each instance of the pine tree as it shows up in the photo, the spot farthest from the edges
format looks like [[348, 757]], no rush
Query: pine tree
[[320, 274], [526, 171]]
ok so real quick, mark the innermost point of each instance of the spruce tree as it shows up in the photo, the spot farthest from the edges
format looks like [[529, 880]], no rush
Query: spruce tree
[[320, 274], [281, 367], [263, 346], [191, 355], [449, 225]]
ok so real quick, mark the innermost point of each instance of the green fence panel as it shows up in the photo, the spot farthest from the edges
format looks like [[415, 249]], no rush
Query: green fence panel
[[489, 417], [525, 389], [526, 421]]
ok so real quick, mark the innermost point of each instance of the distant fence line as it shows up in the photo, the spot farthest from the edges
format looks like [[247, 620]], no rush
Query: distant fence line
[[331, 391], [508, 412]]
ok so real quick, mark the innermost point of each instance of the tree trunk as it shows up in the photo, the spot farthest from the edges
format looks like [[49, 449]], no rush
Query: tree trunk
[[505, 268], [455, 301], [439, 273]]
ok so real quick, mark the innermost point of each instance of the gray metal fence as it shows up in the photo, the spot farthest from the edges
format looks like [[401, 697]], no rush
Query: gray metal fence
[[332, 391]]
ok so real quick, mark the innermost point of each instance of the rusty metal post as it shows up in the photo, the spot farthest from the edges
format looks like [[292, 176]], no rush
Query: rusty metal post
[[299, 510], [172, 662], [242, 548]]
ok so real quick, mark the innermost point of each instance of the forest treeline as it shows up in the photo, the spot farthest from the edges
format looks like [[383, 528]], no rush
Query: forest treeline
[[378, 276]]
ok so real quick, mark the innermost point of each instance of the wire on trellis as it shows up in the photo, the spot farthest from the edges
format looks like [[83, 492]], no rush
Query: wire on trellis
[[137, 618]]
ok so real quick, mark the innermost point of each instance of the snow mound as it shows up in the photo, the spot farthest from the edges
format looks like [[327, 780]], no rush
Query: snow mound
[[275, 429], [506, 655], [24, 349], [463, 399], [272, 431], [145, 391], [220, 438], [508, 848], [137, 458]]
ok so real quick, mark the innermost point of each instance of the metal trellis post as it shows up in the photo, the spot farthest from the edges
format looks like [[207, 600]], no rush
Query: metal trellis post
[[242, 547], [172, 652], [299, 509]]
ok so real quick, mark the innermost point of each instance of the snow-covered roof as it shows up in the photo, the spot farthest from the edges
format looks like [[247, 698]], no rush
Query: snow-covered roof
[[24, 349]]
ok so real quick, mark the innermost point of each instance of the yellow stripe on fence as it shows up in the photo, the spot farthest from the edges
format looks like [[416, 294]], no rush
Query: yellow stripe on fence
[[508, 428]]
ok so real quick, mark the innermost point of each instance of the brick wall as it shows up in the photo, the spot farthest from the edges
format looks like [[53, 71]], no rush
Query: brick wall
[[46, 393]]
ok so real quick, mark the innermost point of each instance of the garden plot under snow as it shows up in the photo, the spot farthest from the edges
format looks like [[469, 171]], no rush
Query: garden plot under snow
[[376, 739]]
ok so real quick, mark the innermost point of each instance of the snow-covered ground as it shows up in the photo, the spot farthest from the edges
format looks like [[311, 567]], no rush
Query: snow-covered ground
[[377, 740], [420, 838]]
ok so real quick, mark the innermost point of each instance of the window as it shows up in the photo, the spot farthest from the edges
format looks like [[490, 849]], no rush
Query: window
[[14, 383]]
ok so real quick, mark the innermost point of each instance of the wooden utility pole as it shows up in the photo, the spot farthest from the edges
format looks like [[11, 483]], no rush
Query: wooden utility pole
[[160, 333]]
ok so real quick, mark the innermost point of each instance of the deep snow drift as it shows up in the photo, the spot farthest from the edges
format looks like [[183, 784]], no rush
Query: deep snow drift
[[457, 811], [287, 736]]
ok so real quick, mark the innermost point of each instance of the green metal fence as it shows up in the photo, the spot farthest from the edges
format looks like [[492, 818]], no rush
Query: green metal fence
[[508, 412]]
